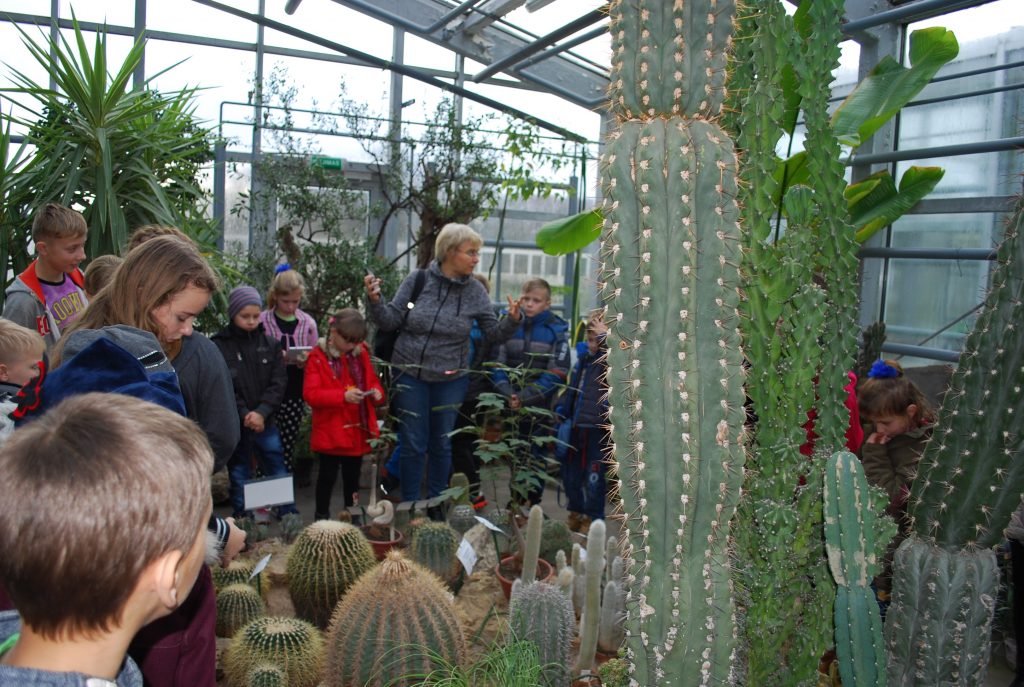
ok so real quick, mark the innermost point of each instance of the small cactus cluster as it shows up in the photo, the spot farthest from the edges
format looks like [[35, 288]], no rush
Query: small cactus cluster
[[326, 559], [237, 606], [293, 646], [267, 675], [669, 276], [434, 546], [969, 481], [291, 527], [542, 614], [852, 557], [239, 572], [555, 536], [390, 625]]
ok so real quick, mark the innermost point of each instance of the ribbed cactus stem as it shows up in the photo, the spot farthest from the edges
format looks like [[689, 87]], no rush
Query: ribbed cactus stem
[[434, 546], [542, 614], [294, 646], [613, 611], [579, 570], [267, 675], [592, 598], [849, 530], [531, 552], [237, 606]]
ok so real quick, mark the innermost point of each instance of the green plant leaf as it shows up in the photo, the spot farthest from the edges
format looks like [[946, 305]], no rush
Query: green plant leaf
[[890, 86], [875, 202], [570, 234]]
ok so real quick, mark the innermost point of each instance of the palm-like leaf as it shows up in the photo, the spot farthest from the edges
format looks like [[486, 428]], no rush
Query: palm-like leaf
[[875, 202]]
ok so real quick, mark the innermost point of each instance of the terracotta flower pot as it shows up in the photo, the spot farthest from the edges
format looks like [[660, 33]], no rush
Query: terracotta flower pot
[[381, 546], [545, 573]]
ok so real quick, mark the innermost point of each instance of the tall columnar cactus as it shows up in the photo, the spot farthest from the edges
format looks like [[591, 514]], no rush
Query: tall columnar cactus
[[542, 614], [434, 546], [237, 605], [390, 624], [613, 611], [796, 329], [670, 252], [531, 545], [591, 618], [326, 559], [969, 481], [293, 645], [849, 540]]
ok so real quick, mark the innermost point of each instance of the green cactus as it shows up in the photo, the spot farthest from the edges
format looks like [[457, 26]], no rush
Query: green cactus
[[555, 536], [461, 514], [669, 276], [326, 559], [531, 545], [849, 532], [293, 645], [591, 617], [610, 632], [872, 338], [291, 527], [240, 572], [267, 675], [542, 614], [969, 481], [237, 605], [434, 546], [392, 623]]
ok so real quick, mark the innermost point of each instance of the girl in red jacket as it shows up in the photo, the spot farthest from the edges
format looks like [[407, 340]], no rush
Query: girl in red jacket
[[343, 390]]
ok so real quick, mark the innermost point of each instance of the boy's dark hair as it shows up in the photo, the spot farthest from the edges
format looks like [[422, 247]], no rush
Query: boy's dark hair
[[95, 491], [54, 221], [886, 396], [537, 284], [100, 272], [350, 323]]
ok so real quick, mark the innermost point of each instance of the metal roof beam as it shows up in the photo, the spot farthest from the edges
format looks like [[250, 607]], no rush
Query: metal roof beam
[[488, 13]]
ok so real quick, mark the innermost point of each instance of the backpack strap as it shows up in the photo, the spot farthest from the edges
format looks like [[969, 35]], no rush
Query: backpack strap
[[417, 288]]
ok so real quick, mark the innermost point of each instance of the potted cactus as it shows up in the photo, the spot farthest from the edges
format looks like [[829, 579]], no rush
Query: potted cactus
[[525, 563]]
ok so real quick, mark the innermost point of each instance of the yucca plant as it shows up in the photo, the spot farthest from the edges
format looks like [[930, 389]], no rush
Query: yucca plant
[[123, 157]]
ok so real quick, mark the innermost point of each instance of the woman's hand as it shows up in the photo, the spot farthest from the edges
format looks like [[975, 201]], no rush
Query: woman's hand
[[353, 395], [375, 393], [372, 284], [513, 309]]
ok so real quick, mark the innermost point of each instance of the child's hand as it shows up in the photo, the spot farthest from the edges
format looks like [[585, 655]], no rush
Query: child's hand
[[878, 438], [353, 395], [254, 421], [300, 361], [372, 285], [513, 309], [377, 395], [234, 545]]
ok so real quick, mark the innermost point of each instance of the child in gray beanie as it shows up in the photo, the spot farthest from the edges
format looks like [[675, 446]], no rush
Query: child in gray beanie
[[258, 374]]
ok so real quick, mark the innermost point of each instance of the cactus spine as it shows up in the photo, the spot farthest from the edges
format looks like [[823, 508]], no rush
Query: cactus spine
[[434, 546], [326, 559], [293, 645], [237, 605], [849, 530], [390, 624], [969, 481], [542, 614], [670, 251]]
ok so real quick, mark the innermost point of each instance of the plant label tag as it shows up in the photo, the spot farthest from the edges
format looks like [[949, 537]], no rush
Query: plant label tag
[[466, 555], [261, 566], [489, 525], [273, 491]]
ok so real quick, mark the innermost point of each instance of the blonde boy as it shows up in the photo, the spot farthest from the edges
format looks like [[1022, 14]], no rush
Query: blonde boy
[[50, 294], [118, 490], [21, 350]]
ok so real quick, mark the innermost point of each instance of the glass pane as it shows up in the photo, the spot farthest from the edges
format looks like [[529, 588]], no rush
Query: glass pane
[[200, 20], [111, 12]]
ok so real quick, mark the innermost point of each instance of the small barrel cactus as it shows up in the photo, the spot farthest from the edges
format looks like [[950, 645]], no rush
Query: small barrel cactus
[[239, 572], [434, 546], [542, 614], [291, 527], [294, 646], [555, 536], [237, 606], [849, 541], [326, 559], [461, 514], [390, 625], [267, 675]]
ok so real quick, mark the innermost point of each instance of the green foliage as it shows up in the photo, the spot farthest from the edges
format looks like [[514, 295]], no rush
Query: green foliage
[[505, 664], [849, 540], [391, 623], [294, 646], [16, 203], [122, 157], [540, 613], [614, 673], [237, 606], [872, 338], [325, 561], [570, 234]]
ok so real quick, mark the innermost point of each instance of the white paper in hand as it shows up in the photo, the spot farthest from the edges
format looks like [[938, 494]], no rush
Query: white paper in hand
[[466, 555], [261, 565]]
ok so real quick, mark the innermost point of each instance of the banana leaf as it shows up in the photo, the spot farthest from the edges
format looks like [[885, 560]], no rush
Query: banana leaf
[[875, 202], [570, 234], [890, 86]]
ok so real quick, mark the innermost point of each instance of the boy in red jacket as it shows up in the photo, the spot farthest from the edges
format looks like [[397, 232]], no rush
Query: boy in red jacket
[[344, 391]]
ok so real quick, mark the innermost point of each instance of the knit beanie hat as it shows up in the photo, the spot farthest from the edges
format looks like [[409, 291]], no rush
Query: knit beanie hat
[[240, 297]]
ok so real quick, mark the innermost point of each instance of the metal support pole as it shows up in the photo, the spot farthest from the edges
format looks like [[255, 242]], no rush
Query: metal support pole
[[139, 74], [220, 189], [257, 217]]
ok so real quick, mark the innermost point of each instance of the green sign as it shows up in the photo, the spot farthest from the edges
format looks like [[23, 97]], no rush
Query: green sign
[[327, 162]]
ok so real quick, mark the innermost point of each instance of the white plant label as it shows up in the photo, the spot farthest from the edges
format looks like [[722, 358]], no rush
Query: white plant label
[[489, 525], [261, 566], [466, 555]]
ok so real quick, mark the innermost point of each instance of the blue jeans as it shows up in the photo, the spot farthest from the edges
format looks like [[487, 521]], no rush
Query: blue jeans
[[426, 414], [583, 472], [269, 453]]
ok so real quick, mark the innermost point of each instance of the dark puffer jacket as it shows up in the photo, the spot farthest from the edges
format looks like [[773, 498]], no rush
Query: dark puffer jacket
[[257, 369], [541, 346]]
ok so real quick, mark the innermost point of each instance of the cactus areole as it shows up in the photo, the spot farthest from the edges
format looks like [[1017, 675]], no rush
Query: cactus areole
[[669, 278]]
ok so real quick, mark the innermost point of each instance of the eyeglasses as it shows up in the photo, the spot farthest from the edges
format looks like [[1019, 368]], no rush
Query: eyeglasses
[[471, 253]]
